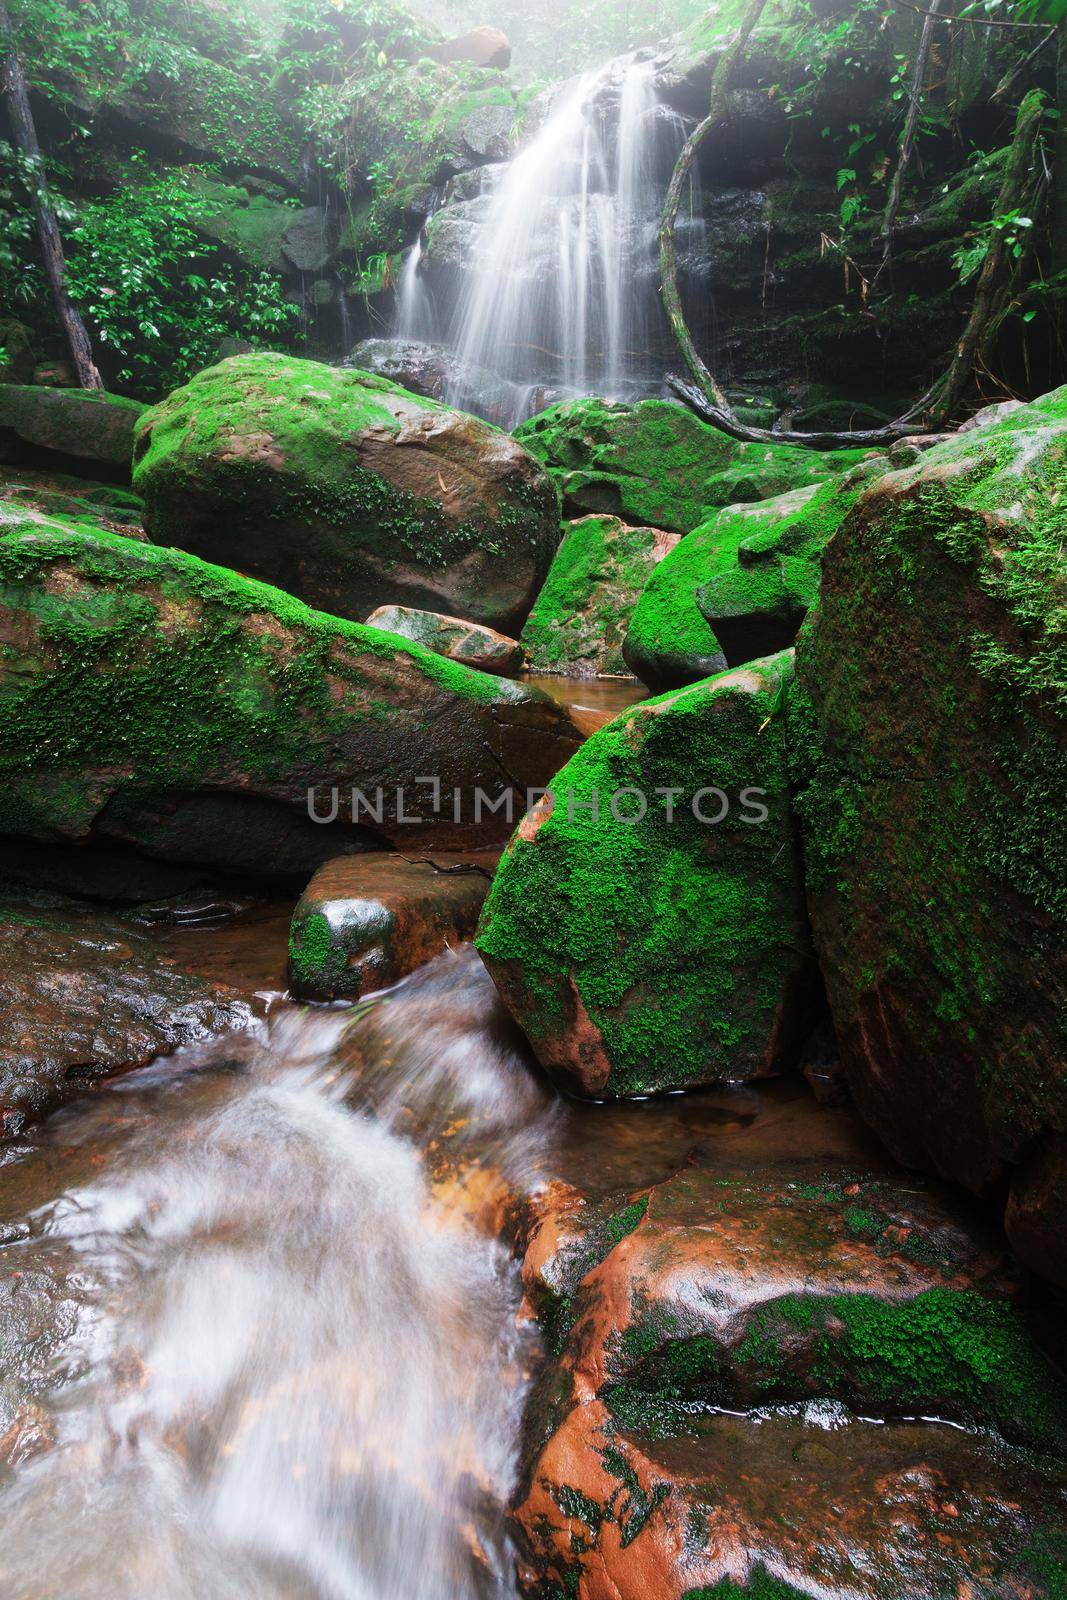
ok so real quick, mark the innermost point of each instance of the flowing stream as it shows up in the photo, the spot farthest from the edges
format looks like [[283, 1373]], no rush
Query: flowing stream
[[259, 1306], [274, 1328]]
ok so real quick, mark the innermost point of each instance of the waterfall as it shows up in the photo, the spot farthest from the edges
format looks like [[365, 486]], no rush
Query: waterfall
[[415, 311], [552, 298]]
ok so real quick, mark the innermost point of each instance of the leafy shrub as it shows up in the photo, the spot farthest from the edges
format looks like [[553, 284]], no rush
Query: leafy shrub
[[158, 296]]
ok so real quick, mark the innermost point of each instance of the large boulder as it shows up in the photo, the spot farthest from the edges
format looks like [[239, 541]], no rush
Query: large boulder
[[738, 586], [485, 47], [86, 994], [657, 464], [579, 619], [348, 491], [153, 699], [741, 1334], [646, 929], [467, 642], [84, 424], [928, 725]]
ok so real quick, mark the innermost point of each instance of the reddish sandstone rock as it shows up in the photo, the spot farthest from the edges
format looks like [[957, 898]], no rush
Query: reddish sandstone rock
[[86, 994], [366, 921], [829, 1505], [486, 47], [467, 642]]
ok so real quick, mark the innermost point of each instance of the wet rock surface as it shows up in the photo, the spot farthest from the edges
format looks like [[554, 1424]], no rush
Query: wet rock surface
[[364, 923], [348, 491], [739, 1350], [452, 637], [87, 994], [788, 1505]]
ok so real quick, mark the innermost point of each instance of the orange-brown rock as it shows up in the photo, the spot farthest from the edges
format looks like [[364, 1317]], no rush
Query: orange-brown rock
[[486, 47], [365, 921], [798, 1503]]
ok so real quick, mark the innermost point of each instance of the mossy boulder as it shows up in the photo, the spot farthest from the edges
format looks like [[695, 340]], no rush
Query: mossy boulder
[[467, 642], [579, 619], [84, 424], [646, 930], [791, 1282], [151, 698], [658, 464], [928, 724], [104, 505], [739, 586], [347, 491]]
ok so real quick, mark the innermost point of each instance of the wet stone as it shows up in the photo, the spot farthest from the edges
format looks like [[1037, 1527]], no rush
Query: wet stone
[[365, 922]]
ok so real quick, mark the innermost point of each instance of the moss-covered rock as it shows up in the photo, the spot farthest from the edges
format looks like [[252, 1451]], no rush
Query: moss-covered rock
[[645, 928], [656, 463], [467, 642], [150, 697], [85, 424], [739, 586], [579, 619], [795, 1281], [348, 491], [928, 727], [102, 505], [366, 921], [807, 1503]]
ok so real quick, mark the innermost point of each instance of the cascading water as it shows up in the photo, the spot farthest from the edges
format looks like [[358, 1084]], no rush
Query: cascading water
[[415, 312], [559, 294], [551, 291], [282, 1356]]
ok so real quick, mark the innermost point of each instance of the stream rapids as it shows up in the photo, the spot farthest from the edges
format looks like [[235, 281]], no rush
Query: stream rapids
[[276, 1331]]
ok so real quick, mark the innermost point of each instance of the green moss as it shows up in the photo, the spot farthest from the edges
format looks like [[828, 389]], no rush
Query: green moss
[[657, 464], [739, 585], [310, 949], [703, 922], [160, 669], [579, 619], [758, 1586], [258, 459], [935, 857], [947, 1351]]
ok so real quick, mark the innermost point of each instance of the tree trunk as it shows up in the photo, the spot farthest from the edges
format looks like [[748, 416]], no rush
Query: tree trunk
[[1059, 191], [668, 261], [987, 311], [911, 123], [13, 89]]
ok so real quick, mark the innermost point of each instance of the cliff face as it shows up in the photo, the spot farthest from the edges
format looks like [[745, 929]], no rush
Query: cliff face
[[268, 174]]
